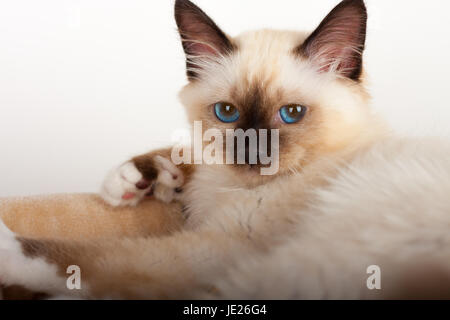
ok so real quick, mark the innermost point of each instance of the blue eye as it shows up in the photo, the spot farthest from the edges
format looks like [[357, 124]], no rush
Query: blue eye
[[226, 112], [292, 113]]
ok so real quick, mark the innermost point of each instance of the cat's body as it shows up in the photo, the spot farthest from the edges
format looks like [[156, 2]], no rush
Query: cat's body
[[373, 212], [259, 246], [348, 194]]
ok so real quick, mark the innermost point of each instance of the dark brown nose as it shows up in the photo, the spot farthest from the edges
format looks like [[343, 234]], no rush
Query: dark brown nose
[[252, 149], [251, 154]]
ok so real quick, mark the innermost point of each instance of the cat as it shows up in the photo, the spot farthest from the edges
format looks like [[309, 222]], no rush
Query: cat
[[348, 194]]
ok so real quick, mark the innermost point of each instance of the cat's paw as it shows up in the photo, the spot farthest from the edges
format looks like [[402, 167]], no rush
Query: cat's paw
[[126, 185]]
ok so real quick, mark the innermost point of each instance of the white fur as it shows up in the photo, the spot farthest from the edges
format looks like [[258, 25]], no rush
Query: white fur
[[388, 207], [120, 181], [17, 269], [170, 175]]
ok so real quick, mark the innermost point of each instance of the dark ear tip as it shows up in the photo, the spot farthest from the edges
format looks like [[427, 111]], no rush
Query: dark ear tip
[[179, 3], [183, 4], [358, 4]]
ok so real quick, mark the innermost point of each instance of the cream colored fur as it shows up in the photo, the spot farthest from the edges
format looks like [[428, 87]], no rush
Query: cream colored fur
[[78, 217], [388, 206], [349, 194]]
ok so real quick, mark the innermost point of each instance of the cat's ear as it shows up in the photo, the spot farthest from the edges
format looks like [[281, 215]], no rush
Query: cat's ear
[[202, 39], [338, 43]]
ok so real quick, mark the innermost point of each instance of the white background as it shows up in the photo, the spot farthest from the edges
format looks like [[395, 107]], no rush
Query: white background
[[86, 84]]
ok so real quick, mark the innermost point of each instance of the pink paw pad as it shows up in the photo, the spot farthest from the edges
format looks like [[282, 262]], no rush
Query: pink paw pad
[[128, 196]]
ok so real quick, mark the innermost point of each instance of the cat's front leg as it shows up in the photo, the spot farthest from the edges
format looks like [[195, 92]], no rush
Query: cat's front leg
[[151, 174]]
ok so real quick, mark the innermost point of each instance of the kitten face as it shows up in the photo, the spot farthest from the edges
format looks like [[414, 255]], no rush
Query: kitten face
[[260, 72]]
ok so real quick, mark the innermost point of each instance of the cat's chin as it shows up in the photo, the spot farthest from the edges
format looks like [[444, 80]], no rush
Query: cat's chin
[[252, 174]]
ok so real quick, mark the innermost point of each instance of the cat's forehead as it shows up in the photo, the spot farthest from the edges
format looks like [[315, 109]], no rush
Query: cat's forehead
[[268, 41], [260, 54]]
